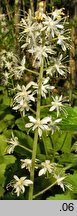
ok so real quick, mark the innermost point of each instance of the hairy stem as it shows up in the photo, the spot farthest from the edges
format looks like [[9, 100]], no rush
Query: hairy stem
[[36, 132]]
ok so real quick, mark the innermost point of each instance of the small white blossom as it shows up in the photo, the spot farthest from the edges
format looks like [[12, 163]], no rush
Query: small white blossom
[[47, 167], [57, 104], [8, 65], [60, 181], [22, 106], [5, 78], [63, 40], [27, 163], [37, 123], [57, 66], [23, 98], [19, 69], [53, 125], [52, 26], [13, 142], [40, 51], [20, 183], [57, 13], [45, 87]]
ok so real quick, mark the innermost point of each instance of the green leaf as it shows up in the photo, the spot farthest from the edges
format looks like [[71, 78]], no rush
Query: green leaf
[[68, 158], [3, 145], [62, 141], [8, 159], [6, 99], [3, 126], [4, 161], [72, 179], [67, 143], [47, 143], [60, 197], [9, 117], [70, 123], [1, 191], [20, 124], [25, 140]]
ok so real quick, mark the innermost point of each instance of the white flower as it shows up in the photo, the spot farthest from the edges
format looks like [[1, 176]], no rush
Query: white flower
[[22, 106], [40, 52], [13, 142], [5, 78], [19, 69], [20, 183], [57, 13], [47, 167], [24, 93], [53, 125], [26, 163], [45, 87], [63, 40], [28, 30], [60, 181], [57, 66], [23, 98], [52, 26], [57, 104], [8, 65], [37, 123]]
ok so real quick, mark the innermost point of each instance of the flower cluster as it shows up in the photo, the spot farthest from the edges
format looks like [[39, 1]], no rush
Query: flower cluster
[[51, 27], [49, 168], [37, 40]]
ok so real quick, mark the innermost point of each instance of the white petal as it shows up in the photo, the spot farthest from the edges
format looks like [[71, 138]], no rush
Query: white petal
[[23, 188], [28, 125], [45, 80], [45, 120], [28, 182], [28, 85], [42, 172], [39, 132], [16, 178], [17, 191], [34, 127], [23, 178], [52, 108], [32, 119], [58, 120]]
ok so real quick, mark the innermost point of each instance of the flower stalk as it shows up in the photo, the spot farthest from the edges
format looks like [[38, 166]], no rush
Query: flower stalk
[[36, 131]]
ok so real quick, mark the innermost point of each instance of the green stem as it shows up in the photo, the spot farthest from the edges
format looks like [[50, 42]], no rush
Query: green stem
[[45, 106], [32, 110], [43, 191], [34, 72], [32, 7], [29, 150], [36, 132]]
